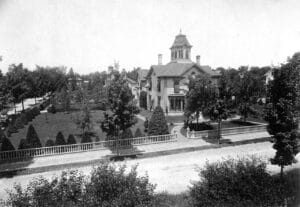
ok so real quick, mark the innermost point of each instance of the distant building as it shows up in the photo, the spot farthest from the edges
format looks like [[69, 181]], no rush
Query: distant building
[[167, 84]]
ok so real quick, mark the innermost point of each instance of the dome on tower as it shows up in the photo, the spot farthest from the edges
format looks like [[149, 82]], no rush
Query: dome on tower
[[181, 41]]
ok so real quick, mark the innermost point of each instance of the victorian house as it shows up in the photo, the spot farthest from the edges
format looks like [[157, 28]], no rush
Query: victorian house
[[168, 84]]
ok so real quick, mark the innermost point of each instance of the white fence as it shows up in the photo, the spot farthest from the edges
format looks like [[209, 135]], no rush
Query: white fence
[[226, 131], [102, 145]]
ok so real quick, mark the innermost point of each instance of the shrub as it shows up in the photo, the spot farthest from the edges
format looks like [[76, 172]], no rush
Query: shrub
[[23, 144], [146, 125], [143, 99], [138, 133], [158, 124], [60, 139], [49, 143], [127, 134], [86, 138], [29, 115], [23, 118], [241, 182], [18, 124], [71, 139], [32, 138], [51, 109], [5, 144], [107, 185]]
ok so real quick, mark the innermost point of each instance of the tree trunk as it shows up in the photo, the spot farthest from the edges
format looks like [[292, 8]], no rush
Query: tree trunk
[[15, 107], [219, 131], [35, 99], [22, 104], [281, 172]]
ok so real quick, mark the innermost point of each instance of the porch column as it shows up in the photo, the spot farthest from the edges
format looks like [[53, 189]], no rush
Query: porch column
[[181, 104]]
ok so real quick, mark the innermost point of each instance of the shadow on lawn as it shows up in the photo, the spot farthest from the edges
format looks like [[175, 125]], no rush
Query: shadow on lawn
[[121, 152]]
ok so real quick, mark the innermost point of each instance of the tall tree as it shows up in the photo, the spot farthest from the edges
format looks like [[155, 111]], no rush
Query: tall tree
[[122, 107], [202, 93], [281, 113]]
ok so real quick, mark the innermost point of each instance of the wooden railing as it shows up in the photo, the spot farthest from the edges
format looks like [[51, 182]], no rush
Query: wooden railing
[[226, 131], [102, 145]]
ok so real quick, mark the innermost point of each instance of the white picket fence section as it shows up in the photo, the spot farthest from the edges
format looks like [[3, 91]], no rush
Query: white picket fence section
[[226, 131], [101, 145]]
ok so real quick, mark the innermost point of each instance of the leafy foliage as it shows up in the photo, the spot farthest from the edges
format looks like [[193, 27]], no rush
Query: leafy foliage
[[32, 138], [281, 113], [86, 138], [241, 182], [143, 99], [122, 106], [107, 185], [158, 124], [127, 134], [202, 93]]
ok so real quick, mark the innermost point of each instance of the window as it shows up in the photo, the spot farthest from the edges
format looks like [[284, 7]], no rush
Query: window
[[176, 85]]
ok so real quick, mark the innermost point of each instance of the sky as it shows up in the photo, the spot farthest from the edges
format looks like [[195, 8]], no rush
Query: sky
[[89, 35]]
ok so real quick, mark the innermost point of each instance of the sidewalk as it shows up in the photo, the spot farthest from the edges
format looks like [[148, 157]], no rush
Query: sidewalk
[[150, 150]]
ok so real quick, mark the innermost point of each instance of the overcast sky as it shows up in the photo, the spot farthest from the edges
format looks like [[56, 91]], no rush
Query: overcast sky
[[90, 35]]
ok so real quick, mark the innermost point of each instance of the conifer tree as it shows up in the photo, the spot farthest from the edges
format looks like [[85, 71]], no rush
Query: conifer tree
[[49, 143], [5, 144], [158, 124], [138, 133], [32, 138], [71, 139], [60, 139]]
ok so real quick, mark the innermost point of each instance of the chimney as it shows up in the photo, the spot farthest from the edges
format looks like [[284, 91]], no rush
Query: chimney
[[198, 59], [159, 59]]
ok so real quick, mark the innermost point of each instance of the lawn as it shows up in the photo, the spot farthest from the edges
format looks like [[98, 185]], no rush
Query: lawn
[[170, 119], [48, 125]]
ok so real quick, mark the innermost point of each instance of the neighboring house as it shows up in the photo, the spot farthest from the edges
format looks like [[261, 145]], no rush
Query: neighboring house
[[168, 84], [134, 86], [142, 79]]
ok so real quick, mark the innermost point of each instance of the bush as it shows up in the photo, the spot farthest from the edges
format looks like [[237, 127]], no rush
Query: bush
[[23, 144], [32, 138], [29, 115], [200, 126], [71, 139], [143, 99], [60, 139], [5, 144], [23, 118], [146, 125], [51, 109], [18, 124], [138, 133], [106, 186], [127, 134], [242, 182], [158, 124], [49, 143]]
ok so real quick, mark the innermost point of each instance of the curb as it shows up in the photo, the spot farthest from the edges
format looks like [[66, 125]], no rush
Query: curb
[[27, 171]]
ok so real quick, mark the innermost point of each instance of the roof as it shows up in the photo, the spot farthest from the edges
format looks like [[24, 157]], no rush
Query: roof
[[181, 40], [142, 73], [131, 80], [174, 69]]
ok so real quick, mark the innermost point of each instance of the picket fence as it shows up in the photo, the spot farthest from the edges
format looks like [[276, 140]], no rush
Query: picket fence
[[101, 145]]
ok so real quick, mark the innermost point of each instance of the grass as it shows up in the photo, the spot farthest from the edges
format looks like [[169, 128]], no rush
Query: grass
[[170, 119], [48, 125]]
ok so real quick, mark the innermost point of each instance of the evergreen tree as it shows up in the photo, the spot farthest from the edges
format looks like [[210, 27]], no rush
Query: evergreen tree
[[5, 144], [146, 125], [23, 144], [32, 138], [71, 139], [138, 133], [60, 139], [49, 143], [158, 124]]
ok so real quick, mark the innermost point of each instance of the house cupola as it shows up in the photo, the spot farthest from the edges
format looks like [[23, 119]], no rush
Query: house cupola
[[181, 49]]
